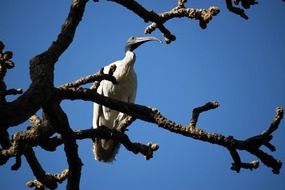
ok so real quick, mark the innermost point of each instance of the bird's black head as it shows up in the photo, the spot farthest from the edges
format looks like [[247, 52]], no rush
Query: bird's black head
[[134, 42]]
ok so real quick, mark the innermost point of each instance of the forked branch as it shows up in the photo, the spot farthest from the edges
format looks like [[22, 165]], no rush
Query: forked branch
[[251, 145], [158, 20]]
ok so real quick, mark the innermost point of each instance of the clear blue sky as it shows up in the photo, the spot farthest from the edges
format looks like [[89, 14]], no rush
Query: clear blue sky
[[239, 63]]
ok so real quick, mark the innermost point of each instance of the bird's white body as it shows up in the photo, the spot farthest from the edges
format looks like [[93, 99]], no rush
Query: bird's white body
[[125, 90]]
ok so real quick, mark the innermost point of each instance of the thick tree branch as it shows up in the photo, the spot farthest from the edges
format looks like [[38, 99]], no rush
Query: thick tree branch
[[250, 145], [5, 144], [41, 72], [36, 135], [4, 139], [47, 180], [22, 144], [14, 91], [56, 116]]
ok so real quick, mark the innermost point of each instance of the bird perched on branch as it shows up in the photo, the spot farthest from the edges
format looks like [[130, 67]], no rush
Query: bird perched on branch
[[124, 90]]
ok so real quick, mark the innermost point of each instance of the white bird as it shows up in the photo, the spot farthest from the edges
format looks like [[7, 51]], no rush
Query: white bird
[[124, 90]]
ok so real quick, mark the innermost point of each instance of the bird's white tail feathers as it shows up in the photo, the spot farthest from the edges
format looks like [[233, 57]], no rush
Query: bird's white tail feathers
[[105, 150]]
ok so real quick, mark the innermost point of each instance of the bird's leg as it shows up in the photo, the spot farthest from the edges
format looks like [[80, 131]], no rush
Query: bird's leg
[[122, 122], [118, 120]]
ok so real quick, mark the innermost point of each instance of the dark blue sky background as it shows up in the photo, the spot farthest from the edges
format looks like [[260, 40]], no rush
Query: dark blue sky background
[[239, 63]]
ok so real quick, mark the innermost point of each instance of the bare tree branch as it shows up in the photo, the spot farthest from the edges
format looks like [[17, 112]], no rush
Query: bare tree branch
[[236, 10], [14, 91], [239, 11], [59, 120], [47, 180], [97, 77], [250, 145], [104, 132], [196, 112], [36, 135], [4, 139], [5, 64], [28, 137], [246, 3], [41, 72], [43, 94], [204, 16], [59, 178]]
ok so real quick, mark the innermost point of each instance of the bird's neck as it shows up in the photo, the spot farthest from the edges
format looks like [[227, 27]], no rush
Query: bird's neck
[[126, 66], [129, 58], [128, 62]]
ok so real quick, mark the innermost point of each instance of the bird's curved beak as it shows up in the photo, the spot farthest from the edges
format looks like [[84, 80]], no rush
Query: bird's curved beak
[[146, 39], [135, 42]]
